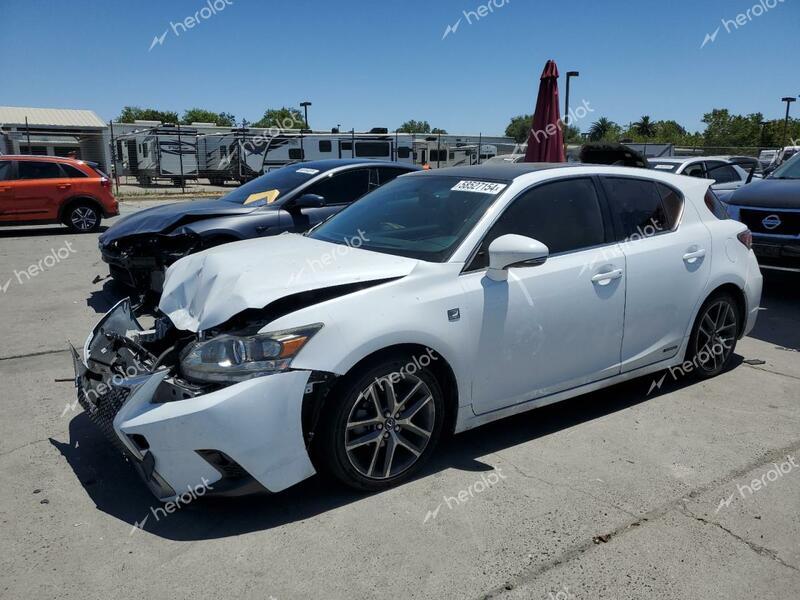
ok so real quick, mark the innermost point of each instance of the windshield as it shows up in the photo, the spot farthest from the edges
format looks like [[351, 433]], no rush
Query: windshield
[[788, 170], [424, 217], [663, 166], [271, 187]]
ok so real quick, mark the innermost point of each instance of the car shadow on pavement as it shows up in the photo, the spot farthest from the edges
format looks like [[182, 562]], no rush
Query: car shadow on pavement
[[40, 231], [779, 323], [103, 300], [115, 488]]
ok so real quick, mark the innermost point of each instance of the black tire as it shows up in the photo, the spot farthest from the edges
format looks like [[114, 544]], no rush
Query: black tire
[[714, 336], [83, 217], [348, 404]]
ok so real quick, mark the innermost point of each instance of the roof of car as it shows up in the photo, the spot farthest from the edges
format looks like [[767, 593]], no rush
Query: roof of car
[[333, 163], [503, 172], [40, 157]]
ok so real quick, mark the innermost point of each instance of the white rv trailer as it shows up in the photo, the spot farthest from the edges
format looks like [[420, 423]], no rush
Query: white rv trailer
[[238, 156], [288, 147], [438, 154], [161, 152]]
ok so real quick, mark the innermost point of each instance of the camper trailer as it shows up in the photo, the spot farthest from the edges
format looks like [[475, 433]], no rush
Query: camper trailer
[[438, 154], [237, 156], [286, 148], [164, 152]]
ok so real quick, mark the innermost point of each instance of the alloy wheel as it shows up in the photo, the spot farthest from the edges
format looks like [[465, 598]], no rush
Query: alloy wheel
[[389, 426], [716, 335], [83, 218]]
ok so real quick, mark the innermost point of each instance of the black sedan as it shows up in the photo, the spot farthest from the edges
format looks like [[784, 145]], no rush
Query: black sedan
[[138, 248]]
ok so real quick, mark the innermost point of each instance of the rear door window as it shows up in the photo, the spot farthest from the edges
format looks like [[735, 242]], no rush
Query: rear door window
[[721, 172], [564, 215], [31, 169], [636, 207], [342, 188]]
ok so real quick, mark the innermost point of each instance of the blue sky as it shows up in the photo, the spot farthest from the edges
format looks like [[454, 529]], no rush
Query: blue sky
[[377, 63]]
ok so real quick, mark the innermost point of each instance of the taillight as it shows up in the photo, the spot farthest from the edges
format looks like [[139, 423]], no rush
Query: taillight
[[105, 182], [746, 238]]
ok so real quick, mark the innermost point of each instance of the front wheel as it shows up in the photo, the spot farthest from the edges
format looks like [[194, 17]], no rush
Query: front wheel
[[714, 336], [384, 425], [83, 218]]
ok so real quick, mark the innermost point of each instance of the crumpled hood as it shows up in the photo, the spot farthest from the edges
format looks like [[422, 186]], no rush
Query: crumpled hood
[[161, 219], [768, 193], [206, 289]]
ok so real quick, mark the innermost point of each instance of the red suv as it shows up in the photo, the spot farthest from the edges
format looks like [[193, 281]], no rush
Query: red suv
[[35, 190]]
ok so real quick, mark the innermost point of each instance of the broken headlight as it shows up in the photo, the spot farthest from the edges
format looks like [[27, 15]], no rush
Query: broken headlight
[[231, 358]]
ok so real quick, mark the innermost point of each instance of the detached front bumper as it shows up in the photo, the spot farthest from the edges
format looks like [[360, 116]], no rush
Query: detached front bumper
[[239, 439]]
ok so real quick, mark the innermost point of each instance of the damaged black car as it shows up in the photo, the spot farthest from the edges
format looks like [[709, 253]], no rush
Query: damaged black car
[[138, 248]]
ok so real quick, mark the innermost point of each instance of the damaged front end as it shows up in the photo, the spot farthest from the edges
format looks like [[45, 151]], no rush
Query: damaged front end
[[141, 261], [187, 408]]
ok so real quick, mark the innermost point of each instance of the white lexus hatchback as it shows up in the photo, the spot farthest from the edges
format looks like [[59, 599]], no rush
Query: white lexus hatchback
[[439, 302]]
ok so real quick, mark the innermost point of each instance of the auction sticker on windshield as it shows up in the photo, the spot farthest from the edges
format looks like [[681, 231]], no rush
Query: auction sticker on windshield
[[307, 171], [481, 187]]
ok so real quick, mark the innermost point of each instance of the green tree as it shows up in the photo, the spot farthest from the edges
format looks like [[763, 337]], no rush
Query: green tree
[[572, 134], [130, 114], [200, 115], [604, 130], [438, 130], [645, 127], [519, 128], [413, 126], [282, 118]]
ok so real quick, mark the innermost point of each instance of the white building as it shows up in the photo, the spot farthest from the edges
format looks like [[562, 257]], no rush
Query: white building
[[55, 132]]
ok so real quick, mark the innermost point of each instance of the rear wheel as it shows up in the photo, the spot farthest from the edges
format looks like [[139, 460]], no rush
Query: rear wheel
[[714, 335], [384, 425], [83, 218]]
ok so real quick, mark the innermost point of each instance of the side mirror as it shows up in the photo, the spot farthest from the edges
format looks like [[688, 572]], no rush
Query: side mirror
[[514, 251], [307, 201]]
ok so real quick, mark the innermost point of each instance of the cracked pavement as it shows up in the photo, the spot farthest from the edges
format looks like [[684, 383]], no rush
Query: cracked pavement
[[614, 494]]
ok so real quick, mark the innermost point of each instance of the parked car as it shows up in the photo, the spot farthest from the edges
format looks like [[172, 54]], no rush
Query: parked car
[[726, 175], [39, 190], [766, 157], [770, 207], [441, 301], [138, 248]]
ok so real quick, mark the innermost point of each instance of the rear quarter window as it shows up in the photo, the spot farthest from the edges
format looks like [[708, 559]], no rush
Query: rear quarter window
[[716, 207], [72, 172]]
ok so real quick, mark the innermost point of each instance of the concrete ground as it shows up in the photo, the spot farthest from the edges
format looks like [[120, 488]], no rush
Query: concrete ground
[[616, 494]]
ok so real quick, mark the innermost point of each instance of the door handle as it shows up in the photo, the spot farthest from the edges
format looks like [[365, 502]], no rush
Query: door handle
[[693, 256], [64, 186], [5, 189], [607, 276]]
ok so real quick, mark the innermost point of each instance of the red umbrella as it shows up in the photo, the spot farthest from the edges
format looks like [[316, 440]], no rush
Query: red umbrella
[[546, 139]]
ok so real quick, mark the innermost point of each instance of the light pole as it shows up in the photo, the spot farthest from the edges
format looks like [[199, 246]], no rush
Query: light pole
[[788, 100], [761, 137], [570, 74], [305, 106]]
